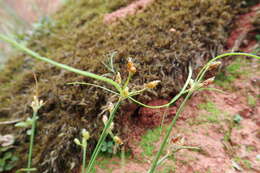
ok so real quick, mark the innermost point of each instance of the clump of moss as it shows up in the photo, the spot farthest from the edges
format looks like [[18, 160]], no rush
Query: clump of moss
[[80, 39]]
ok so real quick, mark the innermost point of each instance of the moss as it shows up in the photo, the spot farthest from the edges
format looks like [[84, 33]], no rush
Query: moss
[[80, 39], [148, 140]]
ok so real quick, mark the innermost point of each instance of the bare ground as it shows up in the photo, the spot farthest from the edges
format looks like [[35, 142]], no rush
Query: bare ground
[[225, 146]]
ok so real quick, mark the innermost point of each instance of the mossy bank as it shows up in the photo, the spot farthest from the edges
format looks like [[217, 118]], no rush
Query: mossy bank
[[164, 39]]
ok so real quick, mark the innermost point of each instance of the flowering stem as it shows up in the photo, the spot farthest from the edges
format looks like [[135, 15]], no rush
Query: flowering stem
[[63, 66], [197, 80], [34, 118], [102, 137], [183, 90], [128, 80], [156, 159], [205, 68], [84, 158]]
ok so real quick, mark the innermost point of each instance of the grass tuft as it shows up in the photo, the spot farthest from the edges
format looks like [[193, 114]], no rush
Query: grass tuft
[[148, 141]]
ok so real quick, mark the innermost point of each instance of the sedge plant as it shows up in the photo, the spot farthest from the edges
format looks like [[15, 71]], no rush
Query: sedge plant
[[175, 144], [36, 105], [195, 85], [123, 92], [83, 143]]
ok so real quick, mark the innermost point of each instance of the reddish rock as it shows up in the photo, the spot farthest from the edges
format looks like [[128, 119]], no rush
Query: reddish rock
[[246, 113], [131, 9], [238, 37], [153, 117]]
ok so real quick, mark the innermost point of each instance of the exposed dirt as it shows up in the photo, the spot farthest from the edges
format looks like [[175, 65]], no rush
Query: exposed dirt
[[218, 151], [135, 7], [225, 146], [210, 137], [242, 38], [158, 39]]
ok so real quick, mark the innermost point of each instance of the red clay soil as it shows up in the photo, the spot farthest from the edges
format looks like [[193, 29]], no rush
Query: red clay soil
[[217, 155], [131, 9], [238, 39], [152, 117]]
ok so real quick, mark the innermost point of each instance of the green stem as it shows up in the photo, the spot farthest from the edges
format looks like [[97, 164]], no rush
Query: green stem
[[169, 154], [183, 90], [84, 158], [90, 84], [127, 80], [205, 68], [123, 159], [163, 159], [102, 137], [156, 159], [63, 66], [198, 79], [31, 140]]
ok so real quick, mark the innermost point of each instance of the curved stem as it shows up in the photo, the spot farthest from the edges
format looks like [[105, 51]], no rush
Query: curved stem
[[183, 90], [198, 79], [205, 68], [90, 84], [102, 138], [63, 66]]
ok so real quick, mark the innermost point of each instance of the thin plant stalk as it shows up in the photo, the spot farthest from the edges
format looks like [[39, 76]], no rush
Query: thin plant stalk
[[97, 86], [34, 118], [163, 118], [183, 90], [118, 87], [169, 154], [123, 160], [83, 144], [154, 164], [60, 65], [84, 159], [205, 68], [198, 79], [165, 140], [102, 137]]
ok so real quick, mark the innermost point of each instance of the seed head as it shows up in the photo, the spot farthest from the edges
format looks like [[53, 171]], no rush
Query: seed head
[[36, 104], [208, 81], [125, 92], [214, 65], [118, 78], [131, 67], [152, 84], [85, 134], [77, 141], [118, 141]]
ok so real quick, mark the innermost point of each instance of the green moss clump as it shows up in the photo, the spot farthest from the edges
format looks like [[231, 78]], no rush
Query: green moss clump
[[80, 39]]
